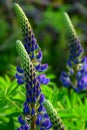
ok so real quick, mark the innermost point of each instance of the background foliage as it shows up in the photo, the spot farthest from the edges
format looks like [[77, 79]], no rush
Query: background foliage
[[47, 22]]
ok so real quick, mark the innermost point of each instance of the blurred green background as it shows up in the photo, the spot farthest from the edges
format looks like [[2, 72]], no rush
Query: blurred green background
[[46, 20]]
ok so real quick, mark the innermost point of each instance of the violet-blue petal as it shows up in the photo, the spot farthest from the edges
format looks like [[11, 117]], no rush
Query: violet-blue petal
[[43, 67], [40, 108], [41, 128], [21, 120], [46, 123], [45, 115], [19, 76], [65, 80], [69, 63], [46, 81], [36, 46], [32, 111], [37, 67], [34, 99], [39, 118], [32, 55], [19, 69], [82, 83], [28, 99], [20, 81], [38, 93], [26, 109], [39, 55], [41, 100], [26, 127]]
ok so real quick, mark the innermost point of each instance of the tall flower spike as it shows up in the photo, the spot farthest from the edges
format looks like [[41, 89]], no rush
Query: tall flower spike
[[34, 110], [30, 41], [55, 119], [75, 49], [75, 77]]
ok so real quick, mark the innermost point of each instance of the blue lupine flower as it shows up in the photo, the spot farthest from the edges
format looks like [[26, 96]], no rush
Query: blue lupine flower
[[20, 75], [35, 115], [26, 109], [24, 127], [34, 98], [46, 124], [43, 121], [30, 42], [42, 79], [20, 70], [21, 120], [76, 76], [41, 100], [65, 79]]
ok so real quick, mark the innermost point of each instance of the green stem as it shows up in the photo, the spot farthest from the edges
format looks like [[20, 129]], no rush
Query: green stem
[[33, 123]]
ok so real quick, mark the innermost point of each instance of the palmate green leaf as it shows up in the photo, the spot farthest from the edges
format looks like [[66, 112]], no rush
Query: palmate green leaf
[[15, 114], [46, 90], [58, 95], [2, 83], [11, 100], [68, 102], [74, 110], [9, 88], [54, 94], [12, 89], [71, 107], [3, 120], [81, 112], [70, 125], [66, 116], [12, 69], [10, 125]]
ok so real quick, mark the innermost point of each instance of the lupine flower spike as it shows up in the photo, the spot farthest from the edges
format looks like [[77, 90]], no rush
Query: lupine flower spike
[[35, 115], [76, 76], [31, 45], [55, 119], [30, 41]]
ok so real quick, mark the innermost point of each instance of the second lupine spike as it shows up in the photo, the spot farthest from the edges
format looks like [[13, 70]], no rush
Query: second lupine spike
[[55, 119], [76, 76], [75, 48], [30, 41], [25, 60], [34, 111]]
